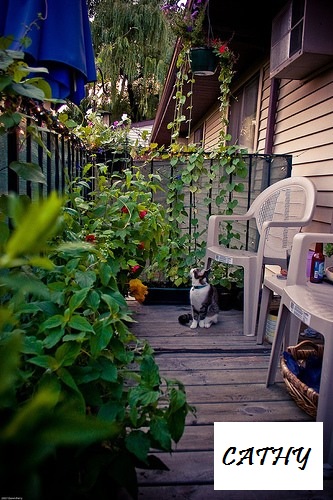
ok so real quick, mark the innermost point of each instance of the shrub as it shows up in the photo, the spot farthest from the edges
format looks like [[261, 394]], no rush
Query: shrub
[[82, 402]]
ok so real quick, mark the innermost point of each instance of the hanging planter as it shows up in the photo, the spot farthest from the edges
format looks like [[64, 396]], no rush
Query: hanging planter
[[203, 61]]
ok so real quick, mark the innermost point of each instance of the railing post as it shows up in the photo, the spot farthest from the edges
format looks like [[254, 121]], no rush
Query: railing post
[[13, 179]]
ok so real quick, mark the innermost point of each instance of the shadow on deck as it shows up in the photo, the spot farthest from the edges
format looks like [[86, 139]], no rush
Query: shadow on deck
[[224, 374]]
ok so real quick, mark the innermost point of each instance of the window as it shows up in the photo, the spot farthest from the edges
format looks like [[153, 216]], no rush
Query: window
[[243, 114], [198, 136]]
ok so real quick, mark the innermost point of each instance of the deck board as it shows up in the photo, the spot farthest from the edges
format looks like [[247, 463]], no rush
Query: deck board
[[224, 375]]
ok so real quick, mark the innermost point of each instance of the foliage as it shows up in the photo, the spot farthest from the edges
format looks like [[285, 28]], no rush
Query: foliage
[[183, 77], [328, 249], [186, 23], [82, 402], [193, 171], [121, 216], [226, 275], [227, 60], [15, 84], [16, 91], [133, 48], [97, 135]]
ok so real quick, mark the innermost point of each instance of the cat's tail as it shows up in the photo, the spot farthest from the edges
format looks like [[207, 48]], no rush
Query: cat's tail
[[184, 319]]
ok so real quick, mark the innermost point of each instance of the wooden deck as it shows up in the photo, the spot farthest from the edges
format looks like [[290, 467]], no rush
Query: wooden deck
[[224, 374]]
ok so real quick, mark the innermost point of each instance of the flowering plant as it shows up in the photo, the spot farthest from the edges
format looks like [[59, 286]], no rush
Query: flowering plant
[[121, 220], [227, 60], [97, 135], [187, 24], [222, 51]]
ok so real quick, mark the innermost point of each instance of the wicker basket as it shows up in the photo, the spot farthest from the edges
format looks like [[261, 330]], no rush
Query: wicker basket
[[305, 397]]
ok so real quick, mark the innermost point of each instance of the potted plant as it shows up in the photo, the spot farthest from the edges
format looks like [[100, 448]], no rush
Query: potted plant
[[187, 24], [328, 250]]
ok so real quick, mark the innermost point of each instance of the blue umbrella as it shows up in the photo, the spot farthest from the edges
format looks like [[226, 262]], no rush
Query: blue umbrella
[[61, 41]]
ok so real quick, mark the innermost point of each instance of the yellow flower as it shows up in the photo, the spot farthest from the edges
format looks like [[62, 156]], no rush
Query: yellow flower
[[138, 290]]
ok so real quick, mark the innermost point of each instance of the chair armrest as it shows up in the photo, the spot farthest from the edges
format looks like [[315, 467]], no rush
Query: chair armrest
[[299, 255], [286, 223], [213, 226]]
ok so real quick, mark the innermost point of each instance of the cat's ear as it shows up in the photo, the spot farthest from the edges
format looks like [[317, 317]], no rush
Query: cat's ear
[[207, 272]]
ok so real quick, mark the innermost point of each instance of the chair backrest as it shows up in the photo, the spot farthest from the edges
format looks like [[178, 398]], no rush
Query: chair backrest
[[289, 202]]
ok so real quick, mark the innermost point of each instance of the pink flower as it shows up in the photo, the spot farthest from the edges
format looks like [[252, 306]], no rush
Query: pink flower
[[136, 268]]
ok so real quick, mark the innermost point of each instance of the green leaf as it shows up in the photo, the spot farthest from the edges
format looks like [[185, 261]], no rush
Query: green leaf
[[85, 279], [28, 90], [53, 338], [10, 119], [36, 227], [5, 80], [105, 273], [86, 374], [176, 423], [69, 428], [93, 300], [28, 171], [111, 411], [139, 396], [4, 232], [29, 416], [177, 400], [112, 304], [47, 362], [104, 332], [138, 443], [108, 369], [53, 322], [160, 432], [68, 380], [80, 323], [67, 353], [32, 345], [77, 337], [149, 373], [40, 83], [239, 188], [77, 299], [25, 282]]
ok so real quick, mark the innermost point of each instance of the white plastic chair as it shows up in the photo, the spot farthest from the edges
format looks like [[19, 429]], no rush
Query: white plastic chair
[[311, 303], [279, 212]]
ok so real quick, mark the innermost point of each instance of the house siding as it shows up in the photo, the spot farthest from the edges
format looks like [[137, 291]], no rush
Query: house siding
[[211, 130], [304, 129]]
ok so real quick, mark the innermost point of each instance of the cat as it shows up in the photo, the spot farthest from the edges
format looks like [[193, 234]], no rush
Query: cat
[[204, 301]]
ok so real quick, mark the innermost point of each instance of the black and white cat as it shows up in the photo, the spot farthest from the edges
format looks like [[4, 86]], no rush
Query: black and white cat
[[204, 301]]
